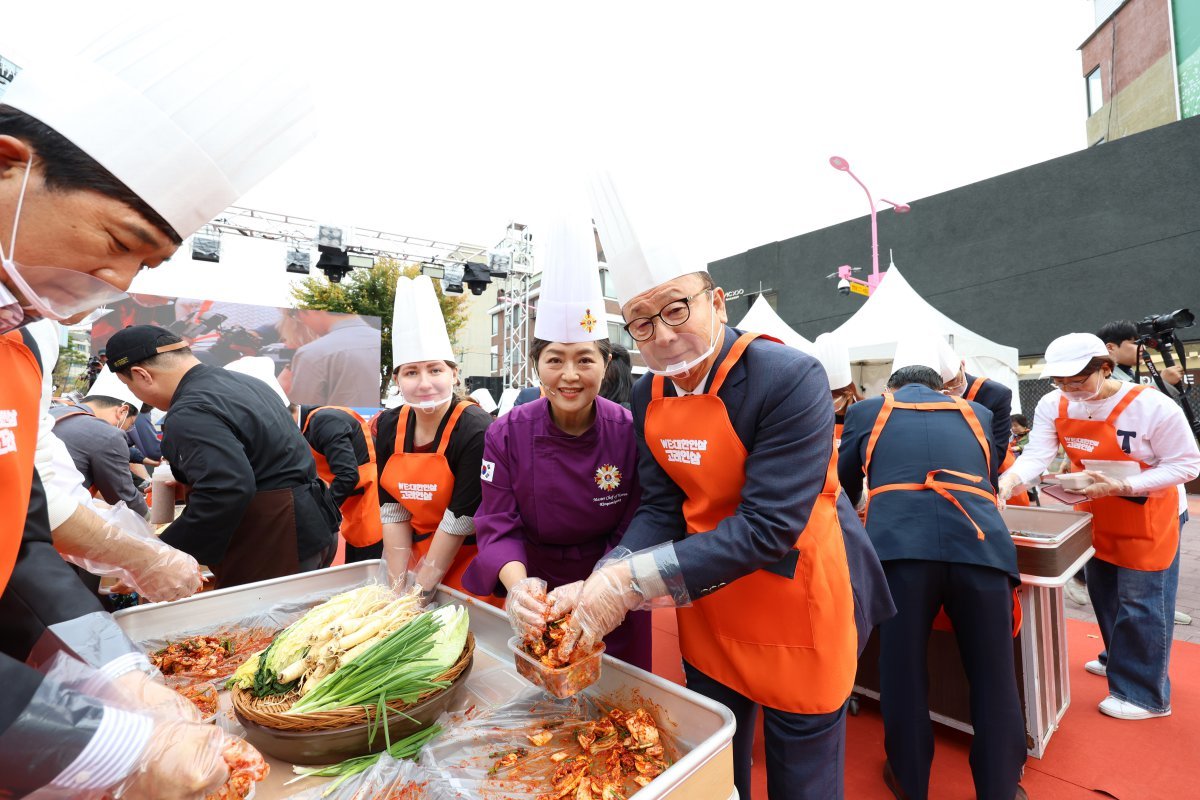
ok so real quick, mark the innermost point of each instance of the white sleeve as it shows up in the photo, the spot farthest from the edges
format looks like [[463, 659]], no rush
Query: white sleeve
[[111, 754], [60, 478], [1043, 442], [1177, 459]]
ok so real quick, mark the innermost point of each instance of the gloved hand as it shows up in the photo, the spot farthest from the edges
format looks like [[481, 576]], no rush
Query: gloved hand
[[606, 597], [1009, 483], [527, 608], [426, 577], [146, 692], [1105, 486], [161, 572], [398, 560], [181, 761], [564, 599]]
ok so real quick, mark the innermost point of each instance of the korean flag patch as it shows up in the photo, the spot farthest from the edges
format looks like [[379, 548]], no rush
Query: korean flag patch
[[487, 471]]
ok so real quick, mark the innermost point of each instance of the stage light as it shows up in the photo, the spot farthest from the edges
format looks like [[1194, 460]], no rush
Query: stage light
[[299, 261], [499, 263], [206, 248], [334, 263]]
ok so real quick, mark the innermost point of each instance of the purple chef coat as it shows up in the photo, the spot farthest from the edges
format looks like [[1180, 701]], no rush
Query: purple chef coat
[[557, 503]]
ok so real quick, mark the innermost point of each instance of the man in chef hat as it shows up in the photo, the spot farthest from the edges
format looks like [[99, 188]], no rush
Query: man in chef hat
[[107, 161], [831, 351], [933, 518], [742, 525]]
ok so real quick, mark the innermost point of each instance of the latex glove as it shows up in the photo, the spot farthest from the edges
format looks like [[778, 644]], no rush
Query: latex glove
[[527, 608], [1104, 486], [146, 692], [1009, 483], [182, 761], [564, 599], [606, 597]]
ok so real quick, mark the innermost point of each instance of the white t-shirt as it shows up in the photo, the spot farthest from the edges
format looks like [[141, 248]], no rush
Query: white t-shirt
[[1159, 436]]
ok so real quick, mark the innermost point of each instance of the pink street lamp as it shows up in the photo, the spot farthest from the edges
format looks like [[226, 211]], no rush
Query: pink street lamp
[[845, 272]]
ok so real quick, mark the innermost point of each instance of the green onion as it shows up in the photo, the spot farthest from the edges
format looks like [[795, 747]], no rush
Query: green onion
[[408, 748]]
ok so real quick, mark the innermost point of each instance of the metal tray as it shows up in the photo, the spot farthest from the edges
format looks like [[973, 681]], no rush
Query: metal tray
[[1050, 541], [703, 729]]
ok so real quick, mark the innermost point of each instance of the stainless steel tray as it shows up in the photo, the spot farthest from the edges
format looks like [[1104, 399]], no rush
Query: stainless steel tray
[[702, 728]]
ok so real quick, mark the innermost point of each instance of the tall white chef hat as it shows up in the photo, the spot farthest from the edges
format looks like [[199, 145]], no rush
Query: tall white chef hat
[[927, 350], [636, 264], [262, 368], [834, 356], [109, 385], [188, 130], [418, 327], [571, 304]]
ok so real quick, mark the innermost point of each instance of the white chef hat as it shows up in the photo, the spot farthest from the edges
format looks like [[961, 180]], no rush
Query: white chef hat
[[485, 399], [927, 350], [636, 265], [262, 368], [188, 130], [418, 327], [109, 385], [831, 351], [571, 304]]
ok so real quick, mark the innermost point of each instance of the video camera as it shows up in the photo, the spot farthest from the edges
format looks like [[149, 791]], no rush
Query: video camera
[[1158, 332], [232, 342]]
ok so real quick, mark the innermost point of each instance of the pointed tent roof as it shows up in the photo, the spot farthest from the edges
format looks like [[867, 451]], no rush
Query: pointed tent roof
[[762, 319], [895, 309]]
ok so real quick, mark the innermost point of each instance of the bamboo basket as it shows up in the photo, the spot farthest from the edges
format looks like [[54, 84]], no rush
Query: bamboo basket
[[269, 711]]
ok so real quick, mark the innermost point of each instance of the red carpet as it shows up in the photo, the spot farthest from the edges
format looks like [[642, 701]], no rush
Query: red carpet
[[1090, 756]]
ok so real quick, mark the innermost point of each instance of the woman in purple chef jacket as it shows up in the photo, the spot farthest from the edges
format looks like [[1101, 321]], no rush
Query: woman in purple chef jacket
[[559, 488]]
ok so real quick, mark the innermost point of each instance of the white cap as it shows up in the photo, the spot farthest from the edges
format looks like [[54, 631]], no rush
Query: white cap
[[1068, 355], [484, 398], [188, 130], [418, 328], [262, 368], [571, 304], [927, 350], [109, 385], [834, 356], [636, 266]]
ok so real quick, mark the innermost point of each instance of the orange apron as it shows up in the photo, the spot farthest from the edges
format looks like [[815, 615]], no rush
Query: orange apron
[[361, 526], [785, 642], [1125, 533], [944, 489], [423, 483], [20, 404], [1021, 498]]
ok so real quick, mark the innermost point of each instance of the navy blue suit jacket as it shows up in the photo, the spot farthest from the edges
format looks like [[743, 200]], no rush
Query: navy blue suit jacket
[[778, 402], [922, 524], [997, 398]]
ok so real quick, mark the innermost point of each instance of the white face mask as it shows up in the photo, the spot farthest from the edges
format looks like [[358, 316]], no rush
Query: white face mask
[[50, 292], [691, 352], [1084, 395]]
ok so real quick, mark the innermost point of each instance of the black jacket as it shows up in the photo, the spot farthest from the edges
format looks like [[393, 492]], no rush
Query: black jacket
[[997, 398], [228, 437], [338, 437]]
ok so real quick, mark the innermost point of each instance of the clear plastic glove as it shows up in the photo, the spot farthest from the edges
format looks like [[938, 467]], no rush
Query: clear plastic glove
[[123, 546], [527, 607], [1104, 486], [146, 692], [604, 600], [182, 761], [426, 578], [399, 563], [564, 599], [1008, 484]]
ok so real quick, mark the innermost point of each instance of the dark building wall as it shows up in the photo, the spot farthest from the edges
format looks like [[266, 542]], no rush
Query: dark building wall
[[1107, 233]]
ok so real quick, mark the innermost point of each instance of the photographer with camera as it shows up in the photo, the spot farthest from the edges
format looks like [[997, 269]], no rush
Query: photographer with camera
[[1121, 338]]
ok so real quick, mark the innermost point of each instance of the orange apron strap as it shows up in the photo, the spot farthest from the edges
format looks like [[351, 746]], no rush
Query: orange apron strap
[[363, 469], [944, 489], [1129, 397], [889, 403], [656, 387], [1062, 407], [454, 415], [308, 419], [977, 429], [401, 428], [731, 358], [973, 392]]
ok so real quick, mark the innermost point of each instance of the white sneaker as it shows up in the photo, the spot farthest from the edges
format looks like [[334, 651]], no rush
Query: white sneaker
[[1096, 668], [1076, 592], [1182, 618], [1120, 709]]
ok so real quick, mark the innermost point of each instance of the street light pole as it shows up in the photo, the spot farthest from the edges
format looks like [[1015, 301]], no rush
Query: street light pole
[[845, 272]]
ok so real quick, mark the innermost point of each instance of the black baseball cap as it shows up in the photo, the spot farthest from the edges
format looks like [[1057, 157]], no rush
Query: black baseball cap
[[137, 343]]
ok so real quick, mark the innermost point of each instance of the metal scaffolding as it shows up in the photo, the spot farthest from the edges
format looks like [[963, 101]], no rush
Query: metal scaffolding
[[515, 369]]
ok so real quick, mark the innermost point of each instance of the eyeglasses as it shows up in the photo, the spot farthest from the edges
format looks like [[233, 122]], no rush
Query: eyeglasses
[[674, 313], [1073, 383]]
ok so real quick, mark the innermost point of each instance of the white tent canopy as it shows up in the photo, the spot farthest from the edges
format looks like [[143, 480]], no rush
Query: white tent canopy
[[762, 319], [896, 310]]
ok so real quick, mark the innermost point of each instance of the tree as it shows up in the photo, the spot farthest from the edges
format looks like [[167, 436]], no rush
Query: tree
[[372, 293]]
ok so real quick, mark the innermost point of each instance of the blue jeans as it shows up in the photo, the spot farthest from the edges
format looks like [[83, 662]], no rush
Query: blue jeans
[[806, 753], [1135, 610]]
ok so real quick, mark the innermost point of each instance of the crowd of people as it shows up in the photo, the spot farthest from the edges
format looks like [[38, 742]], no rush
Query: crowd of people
[[745, 484]]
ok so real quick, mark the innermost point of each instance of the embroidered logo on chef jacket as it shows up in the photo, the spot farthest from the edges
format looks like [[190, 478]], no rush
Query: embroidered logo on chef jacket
[[684, 451], [1079, 443], [487, 471], [608, 477], [417, 491]]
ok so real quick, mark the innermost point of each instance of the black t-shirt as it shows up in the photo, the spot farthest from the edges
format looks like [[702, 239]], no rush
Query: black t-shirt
[[464, 452], [338, 437]]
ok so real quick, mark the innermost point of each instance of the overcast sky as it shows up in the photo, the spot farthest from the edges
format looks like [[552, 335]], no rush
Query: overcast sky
[[443, 119]]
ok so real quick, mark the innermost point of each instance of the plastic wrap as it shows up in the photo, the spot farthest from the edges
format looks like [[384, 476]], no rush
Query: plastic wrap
[[148, 566], [390, 778], [93, 638]]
